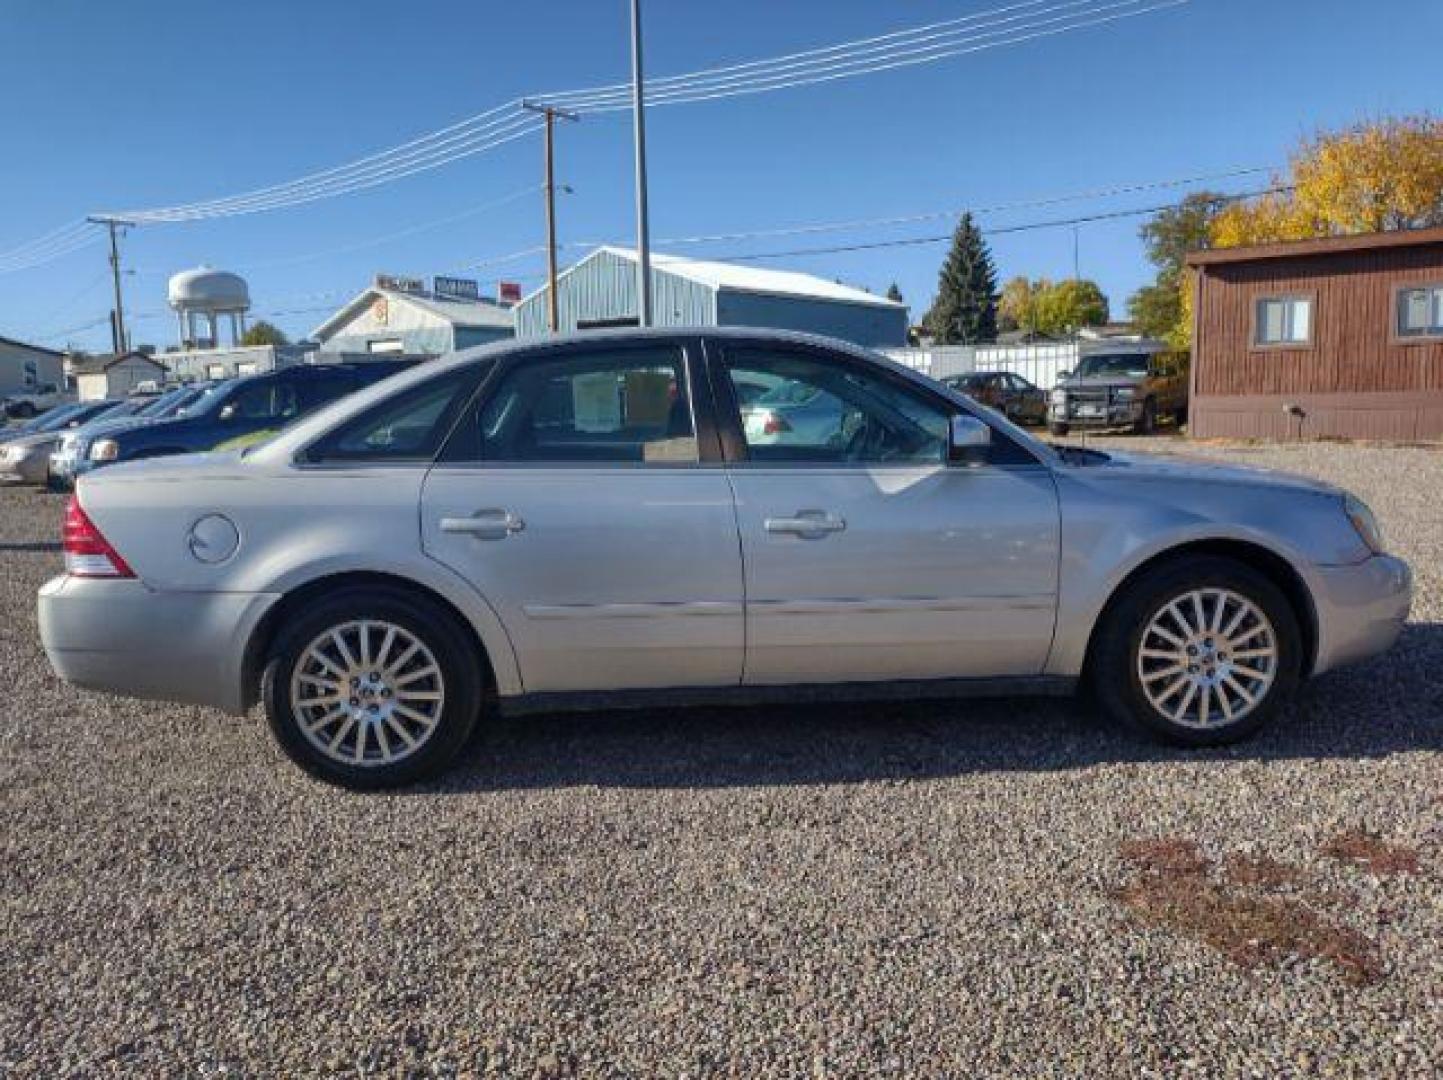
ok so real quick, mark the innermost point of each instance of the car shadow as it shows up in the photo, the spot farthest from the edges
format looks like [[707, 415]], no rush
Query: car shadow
[[1391, 704]]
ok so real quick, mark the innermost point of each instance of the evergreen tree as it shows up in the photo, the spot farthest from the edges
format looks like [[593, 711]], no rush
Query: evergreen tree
[[965, 311], [894, 293]]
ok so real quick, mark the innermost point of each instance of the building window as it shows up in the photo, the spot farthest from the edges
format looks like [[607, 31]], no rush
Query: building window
[[1420, 312], [1284, 320]]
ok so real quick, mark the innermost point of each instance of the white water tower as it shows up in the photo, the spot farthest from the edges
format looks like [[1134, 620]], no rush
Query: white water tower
[[207, 296]]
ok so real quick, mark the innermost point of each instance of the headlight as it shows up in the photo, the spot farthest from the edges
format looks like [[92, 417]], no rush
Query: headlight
[[1364, 521], [1124, 393], [105, 450], [1059, 396]]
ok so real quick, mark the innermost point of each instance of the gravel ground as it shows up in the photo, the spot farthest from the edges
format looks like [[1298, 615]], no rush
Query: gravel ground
[[954, 889]]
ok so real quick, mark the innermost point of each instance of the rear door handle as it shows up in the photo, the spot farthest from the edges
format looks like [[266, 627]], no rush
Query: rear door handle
[[807, 524], [489, 524]]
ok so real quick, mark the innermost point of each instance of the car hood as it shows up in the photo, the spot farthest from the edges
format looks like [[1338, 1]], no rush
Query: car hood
[[1182, 469], [31, 442], [100, 427]]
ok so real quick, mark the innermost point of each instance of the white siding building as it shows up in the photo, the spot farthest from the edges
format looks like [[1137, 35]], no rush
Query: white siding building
[[24, 368]]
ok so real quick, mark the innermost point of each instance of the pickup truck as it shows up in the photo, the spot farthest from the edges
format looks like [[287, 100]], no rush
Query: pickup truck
[[1118, 390], [23, 404]]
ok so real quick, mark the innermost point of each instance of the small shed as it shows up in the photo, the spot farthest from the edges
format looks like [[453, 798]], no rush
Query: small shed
[[114, 376], [25, 368], [412, 323], [600, 291], [1339, 337]]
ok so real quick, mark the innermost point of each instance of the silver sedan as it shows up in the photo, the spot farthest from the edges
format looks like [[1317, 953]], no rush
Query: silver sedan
[[588, 521]]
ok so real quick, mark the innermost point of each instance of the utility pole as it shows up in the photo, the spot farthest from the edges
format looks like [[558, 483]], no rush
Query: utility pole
[[551, 112], [117, 319], [638, 121]]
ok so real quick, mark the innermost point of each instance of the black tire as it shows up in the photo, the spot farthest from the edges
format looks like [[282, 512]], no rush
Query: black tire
[[1058, 431], [22, 411], [1179, 415], [1147, 422], [431, 624], [1113, 666]]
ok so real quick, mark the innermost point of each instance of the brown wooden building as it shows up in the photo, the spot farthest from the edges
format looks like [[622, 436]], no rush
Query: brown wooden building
[[1340, 337]]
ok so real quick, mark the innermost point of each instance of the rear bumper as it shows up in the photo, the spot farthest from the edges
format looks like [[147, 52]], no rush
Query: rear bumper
[[124, 638], [1361, 609]]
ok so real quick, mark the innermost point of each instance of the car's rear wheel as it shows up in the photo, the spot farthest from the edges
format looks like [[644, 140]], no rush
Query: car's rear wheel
[[1200, 652], [1058, 431], [22, 411], [372, 688]]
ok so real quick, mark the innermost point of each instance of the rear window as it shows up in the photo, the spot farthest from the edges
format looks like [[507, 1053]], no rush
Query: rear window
[[409, 426]]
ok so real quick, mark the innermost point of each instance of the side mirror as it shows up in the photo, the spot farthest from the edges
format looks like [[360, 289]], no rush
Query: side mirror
[[967, 439], [1061, 375]]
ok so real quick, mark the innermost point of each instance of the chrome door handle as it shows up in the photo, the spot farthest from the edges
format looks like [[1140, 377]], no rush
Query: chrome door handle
[[807, 524], [491, 524]]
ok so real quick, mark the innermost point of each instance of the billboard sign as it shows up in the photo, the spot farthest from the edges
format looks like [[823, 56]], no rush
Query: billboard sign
[[456, 288], [413, 286]]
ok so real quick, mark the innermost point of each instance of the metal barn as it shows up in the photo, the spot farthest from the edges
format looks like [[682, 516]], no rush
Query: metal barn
[[600, 290]]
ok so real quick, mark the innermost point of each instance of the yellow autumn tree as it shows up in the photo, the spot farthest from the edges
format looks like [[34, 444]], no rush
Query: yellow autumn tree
[[1371, 177]]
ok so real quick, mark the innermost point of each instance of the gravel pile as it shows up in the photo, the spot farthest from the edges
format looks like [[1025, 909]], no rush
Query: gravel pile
[[949, 889]]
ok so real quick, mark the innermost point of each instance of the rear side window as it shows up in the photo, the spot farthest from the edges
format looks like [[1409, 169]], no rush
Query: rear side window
[[622, 405], [409, 426], [269, 400]]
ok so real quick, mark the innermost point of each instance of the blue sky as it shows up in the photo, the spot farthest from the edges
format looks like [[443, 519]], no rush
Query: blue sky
[[153, 102]]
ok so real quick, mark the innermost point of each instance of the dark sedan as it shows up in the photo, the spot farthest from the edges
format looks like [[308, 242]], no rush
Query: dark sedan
[[1010, 394]]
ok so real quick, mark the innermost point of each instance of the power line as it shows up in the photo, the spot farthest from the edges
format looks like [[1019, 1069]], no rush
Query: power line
[[1029, 25], [1007, 25], [915, 241]]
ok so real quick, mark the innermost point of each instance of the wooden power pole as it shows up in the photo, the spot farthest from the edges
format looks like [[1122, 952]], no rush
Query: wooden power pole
[[551, 112], [117, 318]]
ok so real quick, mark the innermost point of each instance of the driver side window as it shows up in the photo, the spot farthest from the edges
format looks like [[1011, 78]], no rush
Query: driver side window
[[801, 408]]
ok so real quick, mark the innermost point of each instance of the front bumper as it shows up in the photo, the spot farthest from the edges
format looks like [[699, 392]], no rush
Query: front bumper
[[30, 469], [68, 467], [1361, 609], [1099, 415], [122, 637]]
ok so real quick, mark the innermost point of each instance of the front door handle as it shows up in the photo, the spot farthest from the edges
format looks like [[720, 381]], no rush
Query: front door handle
[[807, 524], [489, 524]]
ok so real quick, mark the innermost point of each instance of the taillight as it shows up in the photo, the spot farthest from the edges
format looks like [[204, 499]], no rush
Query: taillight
[[87, 553], [775, 425]]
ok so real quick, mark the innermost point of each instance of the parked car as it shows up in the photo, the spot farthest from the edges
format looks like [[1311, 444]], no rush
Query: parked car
[[72, 457], [589, 520], [24, 404], [1007, 392], [29, 427], [26, 459], [1119, 390], [240, 407]]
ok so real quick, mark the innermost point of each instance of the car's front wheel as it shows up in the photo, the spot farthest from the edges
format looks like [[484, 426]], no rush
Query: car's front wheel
[[1200, 652], [372, 688], [1058, 431]]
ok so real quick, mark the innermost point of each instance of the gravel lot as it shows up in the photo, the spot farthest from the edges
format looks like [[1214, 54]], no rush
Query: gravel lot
[[953, 889]]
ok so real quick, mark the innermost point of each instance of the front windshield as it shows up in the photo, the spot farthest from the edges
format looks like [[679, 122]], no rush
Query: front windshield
[[161, 405], [209, 399], [59, 418], [1124, 364]]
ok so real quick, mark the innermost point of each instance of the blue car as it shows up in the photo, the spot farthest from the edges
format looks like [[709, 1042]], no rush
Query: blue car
[[238, 409], [58, 419], [72, 458]]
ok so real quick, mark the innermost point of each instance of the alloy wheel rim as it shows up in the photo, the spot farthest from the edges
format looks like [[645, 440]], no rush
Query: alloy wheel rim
[[1207, 658], [367, 693]]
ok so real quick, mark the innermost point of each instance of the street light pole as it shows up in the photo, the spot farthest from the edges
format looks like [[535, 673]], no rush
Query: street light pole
[[553, 309], [643, 228]]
